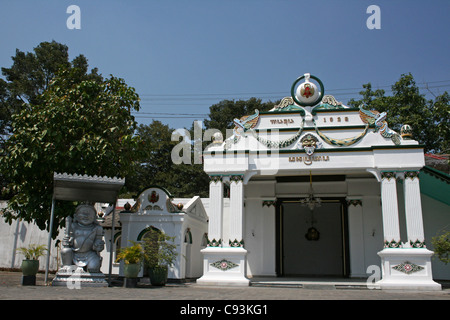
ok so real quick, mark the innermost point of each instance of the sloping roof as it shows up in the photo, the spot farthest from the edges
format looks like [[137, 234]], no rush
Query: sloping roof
[[438, 161], [107, 222], [435, 184]]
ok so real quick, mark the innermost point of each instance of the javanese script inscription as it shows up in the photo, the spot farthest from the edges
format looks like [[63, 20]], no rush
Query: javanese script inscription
[[309, 159], [282, 121]]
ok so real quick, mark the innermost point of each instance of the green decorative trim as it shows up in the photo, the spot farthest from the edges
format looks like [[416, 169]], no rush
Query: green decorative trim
[[236, 178], [236, 243], [279, 144], [341, 142], [437, 174], [143, 232], [407, 267], [411, 175], [381, 126], [157, 187], [315, 110], [286, 105], [392, 244], [357, 149], [269, 203], [323, 128], [298, 110], [388, 175], [322, 91], [214, 243], [354, 203], [188, 233], [417, 244], [215, 178], [224, 265], [117, 235]]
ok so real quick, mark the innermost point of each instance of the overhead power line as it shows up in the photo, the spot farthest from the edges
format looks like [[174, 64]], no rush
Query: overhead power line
[[215, 95], [181, 100]]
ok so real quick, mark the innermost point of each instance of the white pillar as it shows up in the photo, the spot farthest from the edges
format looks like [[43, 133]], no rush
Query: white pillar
[[225, 265], [404, 268], [356, 237], [413, 210], [389, 204], [216, 212], [236, 211]]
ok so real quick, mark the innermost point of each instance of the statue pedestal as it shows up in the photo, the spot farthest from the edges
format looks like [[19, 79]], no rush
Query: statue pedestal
[[407, 269], [75, 278], [224, 266]]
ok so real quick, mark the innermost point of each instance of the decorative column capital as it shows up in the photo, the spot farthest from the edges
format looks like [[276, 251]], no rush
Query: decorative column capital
[[392, 244], [388, 175], [236, 178], [236, 243], [354, 202], [214, 243], [411, 175], [215, 178], [269, 203], [417, 244]]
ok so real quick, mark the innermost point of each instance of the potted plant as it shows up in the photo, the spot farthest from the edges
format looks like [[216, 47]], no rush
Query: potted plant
[[30, 265], [159, 254], [132, 257]]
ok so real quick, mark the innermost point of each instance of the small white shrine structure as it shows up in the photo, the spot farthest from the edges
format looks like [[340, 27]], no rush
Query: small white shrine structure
[[316, 189], [188, 223]]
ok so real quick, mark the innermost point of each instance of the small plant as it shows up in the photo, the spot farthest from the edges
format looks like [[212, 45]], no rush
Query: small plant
[[159, 249], [33, 251], [132, 254], [441, 244]]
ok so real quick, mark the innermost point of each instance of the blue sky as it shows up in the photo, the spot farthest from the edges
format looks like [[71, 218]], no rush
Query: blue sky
[[183, 56]]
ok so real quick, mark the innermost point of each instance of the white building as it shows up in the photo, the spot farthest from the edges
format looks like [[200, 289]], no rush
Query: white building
[[184, 219], [379, 204], [311, 148]]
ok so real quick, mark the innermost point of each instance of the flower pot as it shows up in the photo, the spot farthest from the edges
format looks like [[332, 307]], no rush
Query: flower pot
[[131, 270], [30, 267], [158, 275]]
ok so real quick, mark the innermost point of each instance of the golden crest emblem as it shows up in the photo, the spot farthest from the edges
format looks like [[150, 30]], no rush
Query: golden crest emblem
[[307, 90]]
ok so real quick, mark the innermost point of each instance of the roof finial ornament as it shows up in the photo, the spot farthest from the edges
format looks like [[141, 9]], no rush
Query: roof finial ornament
[[307, 93]]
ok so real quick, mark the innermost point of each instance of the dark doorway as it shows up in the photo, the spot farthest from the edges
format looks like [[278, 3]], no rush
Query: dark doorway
[[300, 253]]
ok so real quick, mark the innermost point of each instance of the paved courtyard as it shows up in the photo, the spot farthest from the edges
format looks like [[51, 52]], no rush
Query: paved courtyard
[[11, 289]]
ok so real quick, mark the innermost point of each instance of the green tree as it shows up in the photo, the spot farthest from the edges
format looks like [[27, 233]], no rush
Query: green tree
[[441, 246], [429, 119], [157, 168], [222, 114], [81, 126], [30, 75]]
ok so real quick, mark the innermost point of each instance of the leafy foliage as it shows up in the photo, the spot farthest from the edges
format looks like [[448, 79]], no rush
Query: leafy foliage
[[430, 120], [155, 166], [159, 249], [441, 244], [81, 126], [31, 74], [222, 114], [33, 251], [131, 255]]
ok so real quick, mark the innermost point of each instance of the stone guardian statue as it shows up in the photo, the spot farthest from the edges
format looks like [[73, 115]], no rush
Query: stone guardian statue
[[82, 244]]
